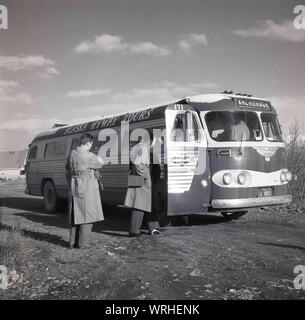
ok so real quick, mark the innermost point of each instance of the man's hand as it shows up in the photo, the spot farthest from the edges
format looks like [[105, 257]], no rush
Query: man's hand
[[98, 177]]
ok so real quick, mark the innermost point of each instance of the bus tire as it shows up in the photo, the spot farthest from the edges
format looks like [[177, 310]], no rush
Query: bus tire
[[233, 215], [50, 198]]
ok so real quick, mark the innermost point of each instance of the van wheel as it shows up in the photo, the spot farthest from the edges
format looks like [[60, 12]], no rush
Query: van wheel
[[50, 197], [233, 215]]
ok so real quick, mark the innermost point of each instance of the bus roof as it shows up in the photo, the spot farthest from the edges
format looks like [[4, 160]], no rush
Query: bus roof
[[228, 101], [215, 97]]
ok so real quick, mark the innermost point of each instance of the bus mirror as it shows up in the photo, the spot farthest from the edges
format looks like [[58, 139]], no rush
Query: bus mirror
[[216, 133]]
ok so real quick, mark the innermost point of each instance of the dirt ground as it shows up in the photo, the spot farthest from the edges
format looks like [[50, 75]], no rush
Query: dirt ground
[[211, 258]]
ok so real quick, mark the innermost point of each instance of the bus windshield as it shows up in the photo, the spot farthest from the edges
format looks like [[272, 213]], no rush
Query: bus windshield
[[271, 127], [234, 126]]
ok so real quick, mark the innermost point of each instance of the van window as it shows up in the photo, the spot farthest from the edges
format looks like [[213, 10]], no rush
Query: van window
[[33, 153], [53, 149]]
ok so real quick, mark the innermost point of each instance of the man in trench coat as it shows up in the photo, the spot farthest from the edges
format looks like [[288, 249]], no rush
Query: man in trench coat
[[84, 197], [139, 198]]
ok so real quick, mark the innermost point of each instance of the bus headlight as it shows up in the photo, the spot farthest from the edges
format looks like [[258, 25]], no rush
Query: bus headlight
[[284, 176], [227, 178], [242, 178], [204, 183], [289, 176]]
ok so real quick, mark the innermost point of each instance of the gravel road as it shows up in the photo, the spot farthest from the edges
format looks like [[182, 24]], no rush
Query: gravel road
[[211, 258]]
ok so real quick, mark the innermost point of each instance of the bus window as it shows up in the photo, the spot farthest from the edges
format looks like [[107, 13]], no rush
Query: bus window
[[233, 126], [53, 149], [186, 128], [193, 128], [271, 127], [33, 153], [60, 148], [179, 129], [49, 150]]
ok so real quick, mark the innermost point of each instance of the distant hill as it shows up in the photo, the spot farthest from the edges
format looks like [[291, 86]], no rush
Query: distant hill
[[12, 159]]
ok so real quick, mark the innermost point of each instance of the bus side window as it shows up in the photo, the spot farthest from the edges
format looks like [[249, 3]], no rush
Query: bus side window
[[33, 153], [49, 150], [186, 128], [179, 129], [53, 149], [60, 148]]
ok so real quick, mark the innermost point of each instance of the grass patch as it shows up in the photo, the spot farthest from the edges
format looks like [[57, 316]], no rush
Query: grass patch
[[16, 255]]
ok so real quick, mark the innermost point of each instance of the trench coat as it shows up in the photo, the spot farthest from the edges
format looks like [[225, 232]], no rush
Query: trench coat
[[139, 198], [84, 194]]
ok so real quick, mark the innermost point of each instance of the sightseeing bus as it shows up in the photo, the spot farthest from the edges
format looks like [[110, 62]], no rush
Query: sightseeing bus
[[183, 176], [201, 167], [246, 171]]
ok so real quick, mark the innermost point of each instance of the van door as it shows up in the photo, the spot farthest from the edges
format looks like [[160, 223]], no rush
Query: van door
[[188, 167]]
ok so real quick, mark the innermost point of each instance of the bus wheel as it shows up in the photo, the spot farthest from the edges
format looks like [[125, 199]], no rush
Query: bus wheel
[[50, 197], [233, 215]]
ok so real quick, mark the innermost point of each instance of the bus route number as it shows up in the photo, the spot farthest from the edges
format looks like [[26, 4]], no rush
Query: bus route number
[[178, 107]]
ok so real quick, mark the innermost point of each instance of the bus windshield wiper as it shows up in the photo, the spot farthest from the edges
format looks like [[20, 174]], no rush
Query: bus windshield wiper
[[239, 153]]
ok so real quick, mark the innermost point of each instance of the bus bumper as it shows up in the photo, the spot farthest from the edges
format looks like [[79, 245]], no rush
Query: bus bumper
[[251, 202]]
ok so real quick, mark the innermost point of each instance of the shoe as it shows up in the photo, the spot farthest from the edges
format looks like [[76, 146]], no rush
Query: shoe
[[131, 234], [84, 247], [154, 232]]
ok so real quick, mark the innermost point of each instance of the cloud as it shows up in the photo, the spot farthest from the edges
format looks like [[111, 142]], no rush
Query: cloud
[[269, 30], [47, 74], [204, 85], [163, 92], [108, 43], [9, 93], [17, 63], [152, 95], [33, 125], [191, 40], [86, 93], [23, 98], [148, 48], [7, 85]]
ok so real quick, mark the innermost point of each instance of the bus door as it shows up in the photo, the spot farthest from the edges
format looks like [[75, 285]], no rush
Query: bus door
[[32, 168], [188, 167]]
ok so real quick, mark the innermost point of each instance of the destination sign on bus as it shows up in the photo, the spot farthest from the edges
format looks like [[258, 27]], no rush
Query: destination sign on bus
[[254, 104]]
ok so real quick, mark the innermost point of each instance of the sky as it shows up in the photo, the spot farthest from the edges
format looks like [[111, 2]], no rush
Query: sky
[[73, 60]]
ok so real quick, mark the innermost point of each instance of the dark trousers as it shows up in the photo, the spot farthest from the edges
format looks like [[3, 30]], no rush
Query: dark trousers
[[136, 220], [80, 235]]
